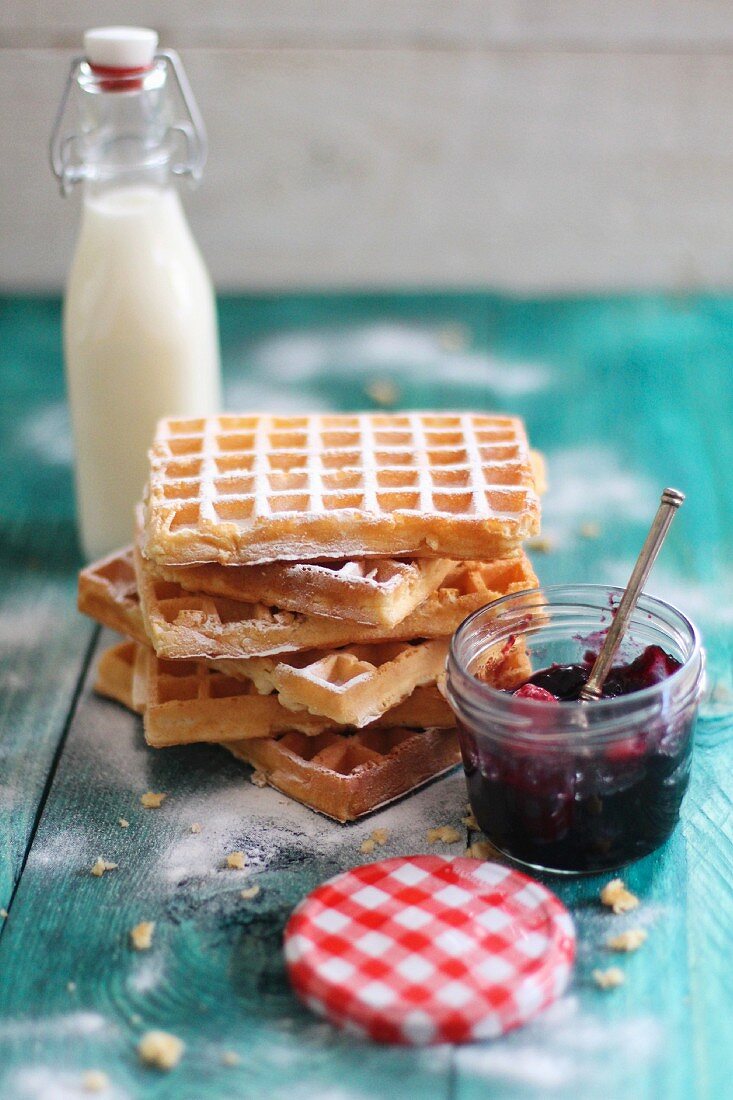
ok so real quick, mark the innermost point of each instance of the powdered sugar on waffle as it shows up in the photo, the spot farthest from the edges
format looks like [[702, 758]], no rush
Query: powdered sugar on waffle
[[258, 488]]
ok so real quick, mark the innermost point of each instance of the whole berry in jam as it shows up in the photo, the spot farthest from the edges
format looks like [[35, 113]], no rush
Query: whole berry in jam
[[591, 806], [565, 682]]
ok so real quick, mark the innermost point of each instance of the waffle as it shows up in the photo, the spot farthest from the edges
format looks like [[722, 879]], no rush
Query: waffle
[[188, 701], [245, 489], [352, 686], [181, 624], [376, 592], [115, 673], [341, 774], [347, 776], [107, 592]]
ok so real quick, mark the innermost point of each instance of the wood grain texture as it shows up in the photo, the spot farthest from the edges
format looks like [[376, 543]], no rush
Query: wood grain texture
[[413, 166], [612, 391], [467, 24], [43, 645]]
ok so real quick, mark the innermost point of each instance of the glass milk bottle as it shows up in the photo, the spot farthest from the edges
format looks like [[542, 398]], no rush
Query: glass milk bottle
[[140, 329]]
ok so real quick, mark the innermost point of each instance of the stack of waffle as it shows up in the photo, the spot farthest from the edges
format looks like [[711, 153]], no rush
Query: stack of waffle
[[294, 584]]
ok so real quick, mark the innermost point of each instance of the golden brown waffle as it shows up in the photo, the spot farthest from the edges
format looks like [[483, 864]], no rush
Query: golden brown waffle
[[188, 701], [115, 673], [342, 775], [353, 685], [348, 775], [107, 592], [181, 624], [244, 489], [376, 591]]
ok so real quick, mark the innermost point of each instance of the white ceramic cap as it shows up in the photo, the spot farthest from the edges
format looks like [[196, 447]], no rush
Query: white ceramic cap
[[120, 47]]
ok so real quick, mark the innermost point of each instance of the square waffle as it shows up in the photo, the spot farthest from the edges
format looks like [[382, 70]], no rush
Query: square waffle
[[107, 592], [345, 776], [352, 686], [182, 624], [373, 591], [341, 774], [188, 701], [379, 676], [115, 674], [357, 684], [244, 489]]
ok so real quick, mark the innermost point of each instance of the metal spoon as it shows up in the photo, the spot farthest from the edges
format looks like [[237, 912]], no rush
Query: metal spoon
[[670, 502]]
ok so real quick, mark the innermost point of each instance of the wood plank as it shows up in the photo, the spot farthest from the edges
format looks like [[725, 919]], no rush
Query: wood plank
[[612, 392], [43, 648], [625, 417], [410, 167], [466, 24], [214, 975]]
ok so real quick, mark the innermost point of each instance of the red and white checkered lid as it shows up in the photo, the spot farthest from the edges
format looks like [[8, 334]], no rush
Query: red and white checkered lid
[[428, 949]]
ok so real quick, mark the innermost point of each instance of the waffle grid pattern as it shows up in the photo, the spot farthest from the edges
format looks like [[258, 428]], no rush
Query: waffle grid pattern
[[115, 673], [427, 949], [229, 487], [341, 775], [188, 701], [353, 685], [345, 776], [108, 593], [377, 592], [182, 624]]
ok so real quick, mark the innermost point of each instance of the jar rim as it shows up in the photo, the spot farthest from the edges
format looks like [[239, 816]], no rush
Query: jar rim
[[602, 707]]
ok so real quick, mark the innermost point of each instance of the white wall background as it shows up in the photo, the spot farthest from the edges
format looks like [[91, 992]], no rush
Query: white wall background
[[577, 145]]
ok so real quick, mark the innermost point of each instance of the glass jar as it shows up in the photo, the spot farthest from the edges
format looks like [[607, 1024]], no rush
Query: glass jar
[[566, 786]]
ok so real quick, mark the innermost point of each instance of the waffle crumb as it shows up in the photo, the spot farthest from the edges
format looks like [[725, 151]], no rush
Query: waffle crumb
[[470, 822], [378, 836], [258, 778], [541, 544], [3, 914], [480, 849], [152, 801], [94, 1081], [615, 895], [123, 823], [141, 936], [383, 392], [249, 893], [236, 861], [196, 827], [630, 940], [160, 1049], [609, 979], [102, 866], [230, 1058], [590, 530], [71, 987], [446, 834]]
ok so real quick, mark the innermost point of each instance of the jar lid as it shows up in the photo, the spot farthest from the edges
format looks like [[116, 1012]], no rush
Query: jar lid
[[428, 949]]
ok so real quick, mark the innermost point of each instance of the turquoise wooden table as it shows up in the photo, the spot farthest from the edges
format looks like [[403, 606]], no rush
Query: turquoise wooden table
[[624, 396]]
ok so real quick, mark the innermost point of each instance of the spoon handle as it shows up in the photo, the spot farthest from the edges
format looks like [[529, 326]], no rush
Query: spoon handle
[[670, 502]]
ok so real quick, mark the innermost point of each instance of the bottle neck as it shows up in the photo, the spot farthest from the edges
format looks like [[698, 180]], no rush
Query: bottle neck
[[158, 178], [125, 128]]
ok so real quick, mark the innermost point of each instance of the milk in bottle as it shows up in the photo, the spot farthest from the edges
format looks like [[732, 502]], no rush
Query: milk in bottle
[[140, 330]]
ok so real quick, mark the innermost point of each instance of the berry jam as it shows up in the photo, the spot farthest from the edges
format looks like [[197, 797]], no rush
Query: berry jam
[[582, 805], [563, 683]]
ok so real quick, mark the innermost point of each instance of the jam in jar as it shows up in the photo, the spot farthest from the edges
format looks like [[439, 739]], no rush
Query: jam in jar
[[561, 785]]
